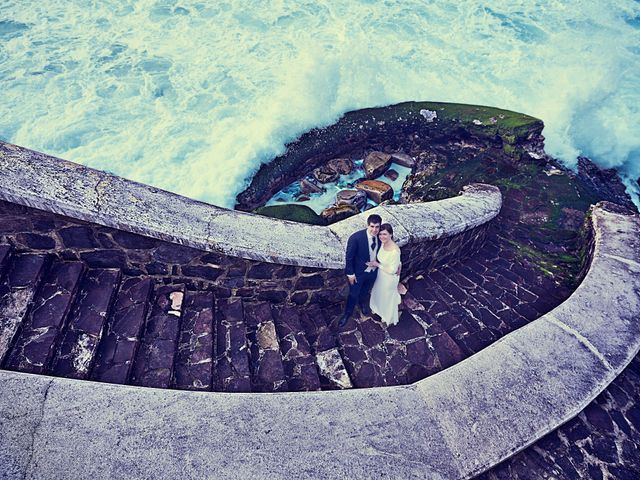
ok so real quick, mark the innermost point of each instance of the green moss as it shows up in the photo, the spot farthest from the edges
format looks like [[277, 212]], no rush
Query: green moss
[[291, 211]]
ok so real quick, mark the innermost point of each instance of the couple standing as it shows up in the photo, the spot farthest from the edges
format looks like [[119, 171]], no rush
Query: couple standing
[[373, 265]]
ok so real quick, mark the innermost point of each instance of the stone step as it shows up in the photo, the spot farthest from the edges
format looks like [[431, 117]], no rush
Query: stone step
[[16, 293], [77, 351], [324, 346], [40, 333], [117, 350], [297, 357], [194, 358], [153, 366], [267, 370], [232, 356]]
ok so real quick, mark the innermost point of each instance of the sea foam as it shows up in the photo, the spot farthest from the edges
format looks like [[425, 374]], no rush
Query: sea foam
[[192, 96]]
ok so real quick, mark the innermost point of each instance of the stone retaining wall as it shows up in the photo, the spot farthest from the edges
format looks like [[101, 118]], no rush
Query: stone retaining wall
[[454, 424], [245, 250]]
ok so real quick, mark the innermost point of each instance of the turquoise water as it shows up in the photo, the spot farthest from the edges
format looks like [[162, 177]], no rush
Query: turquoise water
[[191, 96]]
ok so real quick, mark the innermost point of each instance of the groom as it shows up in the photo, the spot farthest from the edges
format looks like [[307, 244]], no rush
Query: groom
[[362, 247]]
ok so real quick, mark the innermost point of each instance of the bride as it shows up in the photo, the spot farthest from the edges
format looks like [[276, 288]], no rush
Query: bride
[[384, 294]]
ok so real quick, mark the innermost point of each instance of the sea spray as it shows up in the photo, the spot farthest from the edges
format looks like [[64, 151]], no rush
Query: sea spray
[[193, 97]]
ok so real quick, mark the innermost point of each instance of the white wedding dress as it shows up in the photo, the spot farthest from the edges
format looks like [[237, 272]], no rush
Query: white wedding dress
[[384, 294]]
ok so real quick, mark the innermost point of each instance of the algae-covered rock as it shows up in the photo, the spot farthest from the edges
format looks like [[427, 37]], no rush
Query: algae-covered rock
[[293, 212]]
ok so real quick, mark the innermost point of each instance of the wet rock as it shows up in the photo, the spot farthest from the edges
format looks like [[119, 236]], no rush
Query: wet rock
[[376, 163], [332, 369], [606, 183], [307, 187], [343, 166], [325, 174], [376, 190], [357, 198], [335, 214], [391, 174], [403, 159]]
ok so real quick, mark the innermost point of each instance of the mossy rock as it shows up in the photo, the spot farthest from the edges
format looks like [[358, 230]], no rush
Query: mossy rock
[[293, 212]]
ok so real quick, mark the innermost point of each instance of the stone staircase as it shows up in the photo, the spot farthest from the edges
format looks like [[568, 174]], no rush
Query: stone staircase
[[72, 319], [65, 319]]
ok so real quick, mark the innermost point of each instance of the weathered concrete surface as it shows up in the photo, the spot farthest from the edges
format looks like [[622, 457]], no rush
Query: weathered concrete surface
[[454, 424], [22, 399], [127, 432], [51, 184]]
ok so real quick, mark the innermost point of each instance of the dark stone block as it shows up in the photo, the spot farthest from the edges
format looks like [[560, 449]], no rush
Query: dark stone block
[[208, 272], [312, 282], [286, 271], [157, 268], [133, 241], [105, 259], [299, 298], [372, 332], [172, 253], [262, 271], [448, 351], [43, 225], [576, 430], [213, 258], [406, 329], [37, 242], [605, 449], [78, 237], [598, 417], [276, 296], [417, 352], [25, 270]]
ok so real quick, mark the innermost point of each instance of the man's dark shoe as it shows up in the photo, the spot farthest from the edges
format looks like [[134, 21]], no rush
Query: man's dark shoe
[[343, 321], [365, 309]]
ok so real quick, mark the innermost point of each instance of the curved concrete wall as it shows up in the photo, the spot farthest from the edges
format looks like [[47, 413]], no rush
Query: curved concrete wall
[[454, 424], [47, 183]]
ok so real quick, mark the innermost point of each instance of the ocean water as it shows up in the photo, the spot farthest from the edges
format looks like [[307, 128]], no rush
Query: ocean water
[[191, 96]]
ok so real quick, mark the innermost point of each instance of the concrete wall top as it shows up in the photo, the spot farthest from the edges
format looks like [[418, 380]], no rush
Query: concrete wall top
[[454, 424], [48, 183]]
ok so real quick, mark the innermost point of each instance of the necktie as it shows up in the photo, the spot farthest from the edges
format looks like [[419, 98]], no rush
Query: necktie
[[373, 243]]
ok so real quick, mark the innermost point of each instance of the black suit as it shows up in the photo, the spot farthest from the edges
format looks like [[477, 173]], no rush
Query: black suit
[[357, 257]]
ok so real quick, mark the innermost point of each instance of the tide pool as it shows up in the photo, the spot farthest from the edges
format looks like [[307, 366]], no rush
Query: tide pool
[[192, 96]]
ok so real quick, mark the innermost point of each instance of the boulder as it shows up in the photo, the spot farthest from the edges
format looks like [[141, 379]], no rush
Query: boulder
[[343, 166], [391, 174], [403, 159], [335, 214], [357, 198], [376, 190], [307, 186], [325, 174], [376, 163]]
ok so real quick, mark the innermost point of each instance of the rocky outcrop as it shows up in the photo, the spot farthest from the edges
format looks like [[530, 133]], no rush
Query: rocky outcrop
[[330, 171], [605, 182], [403, 159], [395, 128]]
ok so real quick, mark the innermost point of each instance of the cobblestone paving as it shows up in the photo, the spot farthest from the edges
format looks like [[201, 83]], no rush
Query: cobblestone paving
[[602, 442]]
